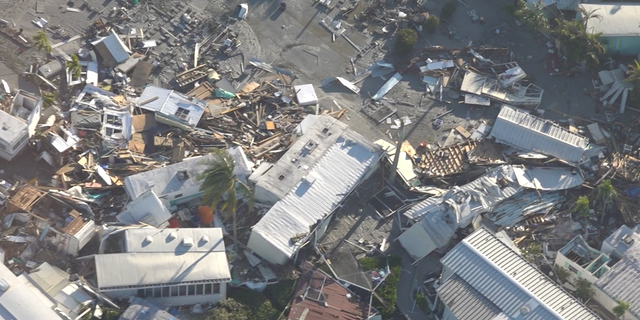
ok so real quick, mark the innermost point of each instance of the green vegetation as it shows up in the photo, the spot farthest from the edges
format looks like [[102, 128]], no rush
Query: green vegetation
[[368, 263], [48, 98], [584, 291], [606, 192], [582, 206], [229, 309], [562, 273], [406, 40], [448, 9], [579, 45], [421, 301], [388, 290], [220, 185], [74, 66], [431, 24], [621, 308], [533, 16], [280, 294], [244, 304], [41, 42], [532, 252], [633, 76]]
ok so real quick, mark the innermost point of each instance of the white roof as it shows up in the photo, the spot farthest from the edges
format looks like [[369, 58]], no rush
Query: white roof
[[510, 282], [148, 209], [115, 271], [330, 179], [170, 240], [11, 129], [617, 19], [154, 256], [524, 131], [306, 94], [23, 301]]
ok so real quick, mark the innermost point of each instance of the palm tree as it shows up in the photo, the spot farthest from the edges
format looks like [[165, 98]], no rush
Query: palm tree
[[42, 42], [48, 98], [579, 45], [606, 192], [220, 185], [74, 66], [582, 206], [633, 75], [621, 308], [588, 15]]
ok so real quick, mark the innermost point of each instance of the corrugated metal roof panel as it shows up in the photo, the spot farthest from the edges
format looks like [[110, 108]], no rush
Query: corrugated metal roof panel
[[621, 281], [465, 302], [524, 131], [510, 282], [335, 174]]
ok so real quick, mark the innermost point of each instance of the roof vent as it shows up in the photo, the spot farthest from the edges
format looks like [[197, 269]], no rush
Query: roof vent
[[148, 239], [172, 235], [524, 310], [187, 242], [4, 284], [626, 239], [5, 126], [204, 239]]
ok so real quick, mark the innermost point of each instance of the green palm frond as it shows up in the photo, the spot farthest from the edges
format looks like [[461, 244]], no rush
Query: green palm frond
[[42, 42], [74, 66], [248, 194]]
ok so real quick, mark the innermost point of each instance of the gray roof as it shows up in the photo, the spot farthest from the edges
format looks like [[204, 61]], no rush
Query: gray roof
[[615, 239], [527, 132], [510, 282], [296, 163], [11, 128], [465, 302], [334, 169], [22, 300], [168, 102], [621, 281], [141, 309]]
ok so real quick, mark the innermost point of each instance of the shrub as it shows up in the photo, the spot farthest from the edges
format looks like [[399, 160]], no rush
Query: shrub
[[431, 24], [406, 40], [280, 293], [448, 9], [368, 263]]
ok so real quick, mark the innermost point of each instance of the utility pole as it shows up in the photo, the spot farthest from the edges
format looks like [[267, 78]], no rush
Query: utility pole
[[401, 138], [396, 157]]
